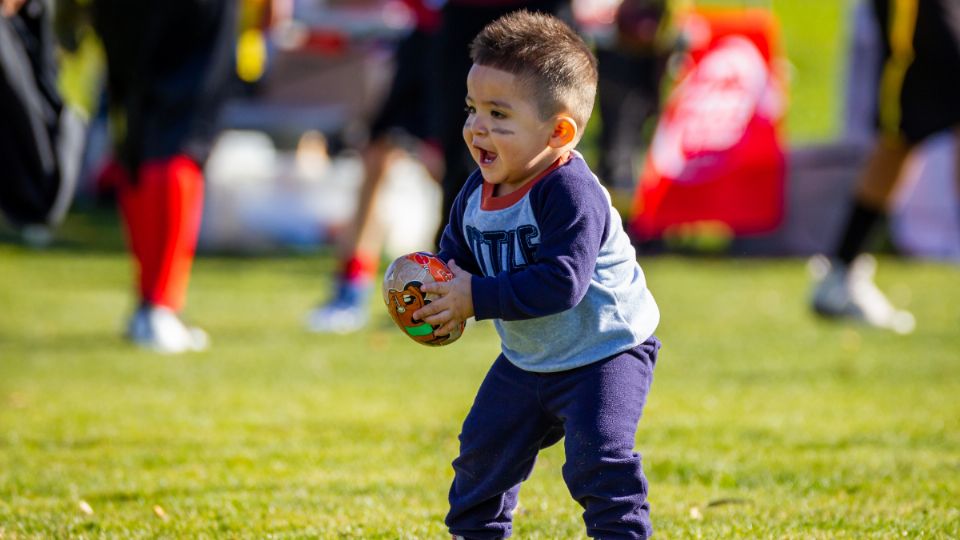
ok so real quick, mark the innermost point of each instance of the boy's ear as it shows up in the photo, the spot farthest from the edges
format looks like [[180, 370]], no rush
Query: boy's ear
[[564, 132]]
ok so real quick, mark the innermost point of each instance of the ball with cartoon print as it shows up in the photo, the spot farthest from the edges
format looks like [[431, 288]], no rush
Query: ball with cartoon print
[[403, 296]]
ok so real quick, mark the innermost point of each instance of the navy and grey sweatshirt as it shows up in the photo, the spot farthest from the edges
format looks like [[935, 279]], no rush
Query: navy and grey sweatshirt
[[553, 267]]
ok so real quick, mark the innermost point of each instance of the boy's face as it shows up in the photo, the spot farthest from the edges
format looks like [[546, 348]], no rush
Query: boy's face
[[504, 131]]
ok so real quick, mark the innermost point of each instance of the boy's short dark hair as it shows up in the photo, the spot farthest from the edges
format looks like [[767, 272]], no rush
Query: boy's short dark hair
[[547, 56]]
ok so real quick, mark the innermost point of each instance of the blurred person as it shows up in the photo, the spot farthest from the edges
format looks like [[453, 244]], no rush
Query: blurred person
[[432, 64], [400, 127], [918, 96], [631, 68], [168, 65], [40, 136], [460, 21], [535, 245]]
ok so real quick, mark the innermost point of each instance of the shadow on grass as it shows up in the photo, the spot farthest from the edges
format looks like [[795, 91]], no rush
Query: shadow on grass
[[90, 227], [94, 227]]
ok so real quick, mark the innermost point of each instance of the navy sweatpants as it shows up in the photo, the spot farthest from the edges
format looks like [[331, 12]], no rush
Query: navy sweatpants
[[516, 413]]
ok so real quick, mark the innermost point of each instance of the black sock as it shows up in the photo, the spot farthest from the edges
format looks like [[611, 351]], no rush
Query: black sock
[[859, 226]]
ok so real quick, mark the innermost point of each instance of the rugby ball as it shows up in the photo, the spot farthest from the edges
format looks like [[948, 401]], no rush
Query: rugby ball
[[403, 295]]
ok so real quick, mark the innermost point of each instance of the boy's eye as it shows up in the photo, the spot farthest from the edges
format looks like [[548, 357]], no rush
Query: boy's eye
[[497, 114], [470, 109]]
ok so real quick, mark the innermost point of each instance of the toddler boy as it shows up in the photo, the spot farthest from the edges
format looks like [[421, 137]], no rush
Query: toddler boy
[[535, 245]]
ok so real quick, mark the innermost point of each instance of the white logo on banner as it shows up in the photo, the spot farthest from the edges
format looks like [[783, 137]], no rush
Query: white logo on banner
[[713, 105]]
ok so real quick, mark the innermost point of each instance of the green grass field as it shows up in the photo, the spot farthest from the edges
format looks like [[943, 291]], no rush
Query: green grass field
[[763, 421]]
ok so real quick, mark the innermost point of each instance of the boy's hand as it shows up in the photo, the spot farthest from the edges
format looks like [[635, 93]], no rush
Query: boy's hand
[[9, 8], [455, 304]]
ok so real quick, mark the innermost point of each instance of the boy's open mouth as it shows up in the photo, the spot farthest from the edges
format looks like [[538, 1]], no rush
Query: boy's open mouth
[[486, 157]]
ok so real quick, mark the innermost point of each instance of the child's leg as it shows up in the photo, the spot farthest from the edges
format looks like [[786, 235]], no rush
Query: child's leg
[[601, 405], [501, 436], [873, 195], [167, 211]]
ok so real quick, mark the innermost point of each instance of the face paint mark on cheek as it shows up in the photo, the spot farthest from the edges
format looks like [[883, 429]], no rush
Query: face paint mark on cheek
[[501, 131]]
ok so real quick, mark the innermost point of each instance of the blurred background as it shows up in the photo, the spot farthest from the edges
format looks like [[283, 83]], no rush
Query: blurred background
[[311, 74]]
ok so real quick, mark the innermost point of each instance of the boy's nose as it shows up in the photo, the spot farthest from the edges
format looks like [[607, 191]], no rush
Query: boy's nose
[[477, 126]]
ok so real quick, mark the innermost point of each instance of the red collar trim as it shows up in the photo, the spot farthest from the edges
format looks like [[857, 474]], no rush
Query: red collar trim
[[489, 202]]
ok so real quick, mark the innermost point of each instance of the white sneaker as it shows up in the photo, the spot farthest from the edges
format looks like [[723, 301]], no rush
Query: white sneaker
[[159, 329], [347, 312], [849, 292], [336, 319]]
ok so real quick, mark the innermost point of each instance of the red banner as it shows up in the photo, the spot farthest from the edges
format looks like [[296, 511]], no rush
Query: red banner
[[716, 154]]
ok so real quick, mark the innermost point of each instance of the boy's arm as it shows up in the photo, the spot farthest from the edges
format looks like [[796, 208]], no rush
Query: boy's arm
[[573, 215], [453, 245]]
